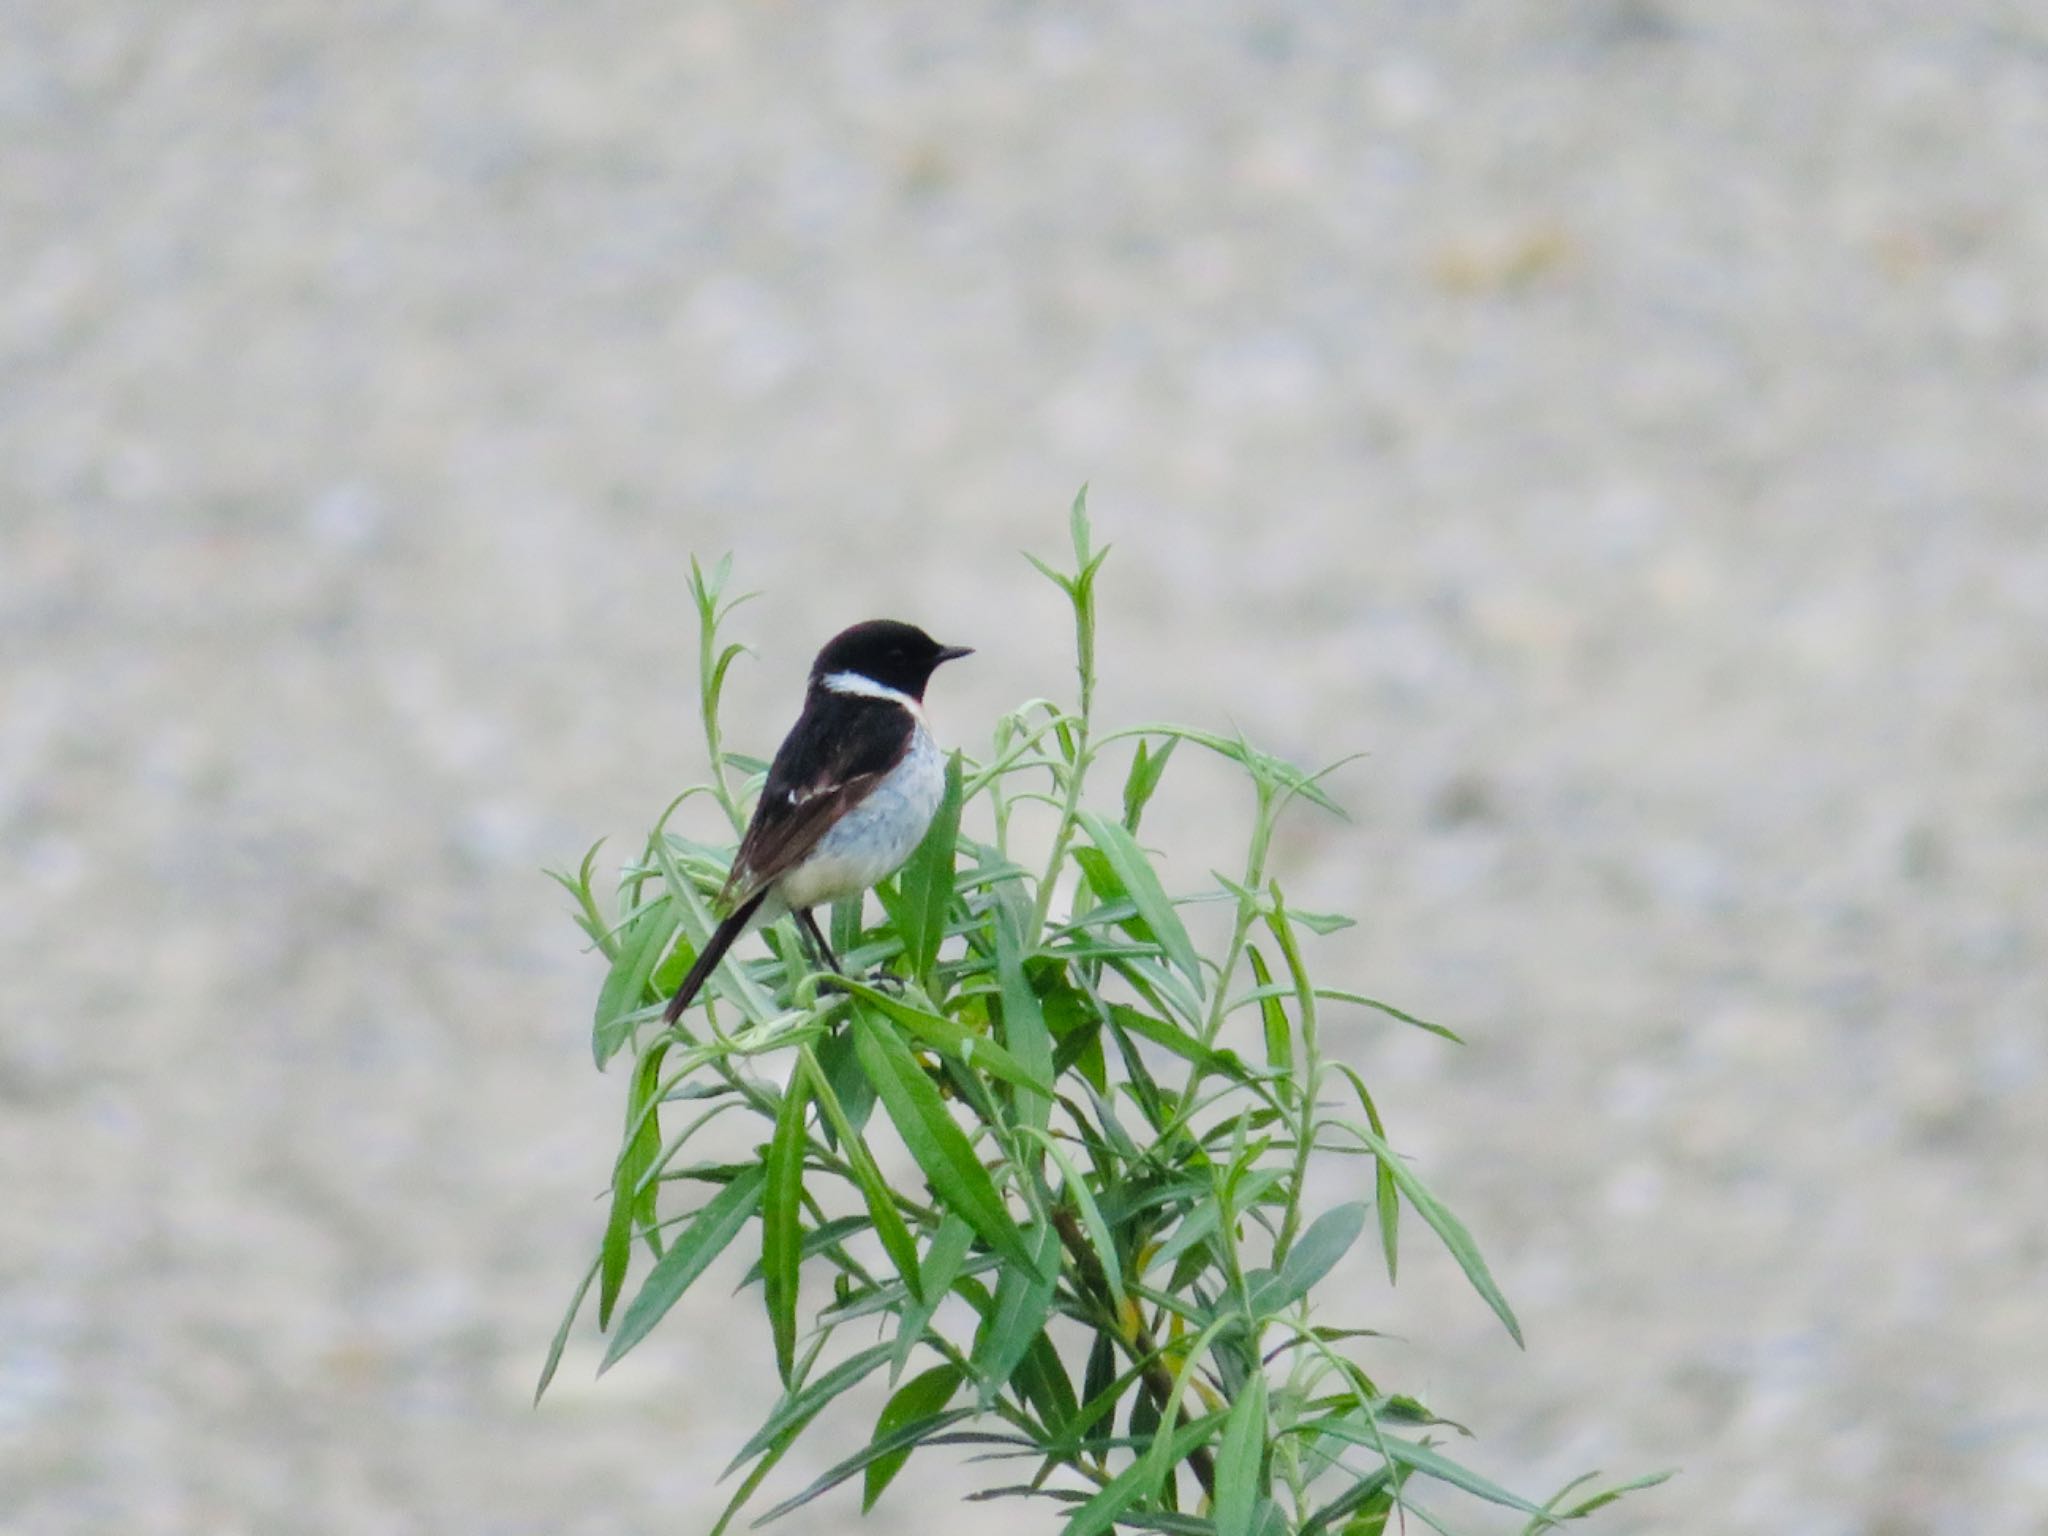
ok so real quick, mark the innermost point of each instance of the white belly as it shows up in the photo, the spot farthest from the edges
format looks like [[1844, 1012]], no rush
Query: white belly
[[873, 839]]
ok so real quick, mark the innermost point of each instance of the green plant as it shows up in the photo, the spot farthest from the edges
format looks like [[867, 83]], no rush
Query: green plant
[[1117, 1195]]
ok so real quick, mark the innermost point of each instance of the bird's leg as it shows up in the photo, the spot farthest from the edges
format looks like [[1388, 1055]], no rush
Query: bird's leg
[[879, 978], [824, 949]]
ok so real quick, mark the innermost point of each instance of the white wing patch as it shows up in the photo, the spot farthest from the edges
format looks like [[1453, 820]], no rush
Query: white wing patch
[[822, 787]]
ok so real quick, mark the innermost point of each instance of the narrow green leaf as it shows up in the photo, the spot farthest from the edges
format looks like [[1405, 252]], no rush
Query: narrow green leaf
[[561, 1339], [1196, 1227], [939, 1146], [819, 1239], [1322, 922], [1092, 1424], [1132, 780], [1084, 1051], [1163, 989], [1138, 1480], [1263, 767], [905, 1439], [801, 1402], [1100, 1390], [1600, 1500], [1314, 1254], [707, 1235], [1400, 1408], [1050, 574], [629, 1201], [1376, 1485], [624, 992], [1142, 1087], [1239, 1460], [1280, 923], [1279, 1038], [755, 1478], [781, 1221], [724, 663], [926, 883], [874, 1189], [1447, 1227], [843, 1076], [588, 918], [1386, 1193], [844, 930], [1147, 767], [690, 1093], [949, 1037], [1134, 870], [1144, 1425], [941, 1267], [1043, 1380], [646, 1108], [1023, 1303], [1167, 1035], [1169, 1524], [1024, 1029], [1099, 1237], [924, 1396], [1338, 995], [1420, 1458]]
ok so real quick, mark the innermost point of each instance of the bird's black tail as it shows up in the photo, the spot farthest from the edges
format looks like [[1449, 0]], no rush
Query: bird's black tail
[[713, 951]]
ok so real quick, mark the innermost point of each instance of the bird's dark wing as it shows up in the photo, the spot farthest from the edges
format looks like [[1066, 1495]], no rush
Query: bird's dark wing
[[840, 748]]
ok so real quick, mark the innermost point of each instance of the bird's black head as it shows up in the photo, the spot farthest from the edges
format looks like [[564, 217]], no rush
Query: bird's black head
[[882, 651]]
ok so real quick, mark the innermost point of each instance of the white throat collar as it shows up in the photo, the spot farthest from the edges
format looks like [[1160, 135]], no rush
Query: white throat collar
[[868, 688]]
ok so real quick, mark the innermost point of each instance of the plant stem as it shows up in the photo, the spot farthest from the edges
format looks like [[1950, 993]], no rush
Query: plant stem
[[1311, 1079], [1076, 772], [714, 741], [1247, 914]]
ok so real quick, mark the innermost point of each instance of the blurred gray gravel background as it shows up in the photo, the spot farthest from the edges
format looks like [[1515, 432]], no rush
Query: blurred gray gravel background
[[1621, 418]]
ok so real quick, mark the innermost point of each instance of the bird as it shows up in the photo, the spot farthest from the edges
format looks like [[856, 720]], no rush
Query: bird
[[849, 794]]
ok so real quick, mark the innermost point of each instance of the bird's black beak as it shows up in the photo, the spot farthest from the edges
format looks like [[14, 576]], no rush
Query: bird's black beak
[[954, 652]]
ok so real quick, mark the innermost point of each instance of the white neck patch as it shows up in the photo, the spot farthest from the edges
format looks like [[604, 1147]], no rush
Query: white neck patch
[[868, 688]]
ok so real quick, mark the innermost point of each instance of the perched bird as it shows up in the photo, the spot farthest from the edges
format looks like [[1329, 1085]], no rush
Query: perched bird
[[852, 789]]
